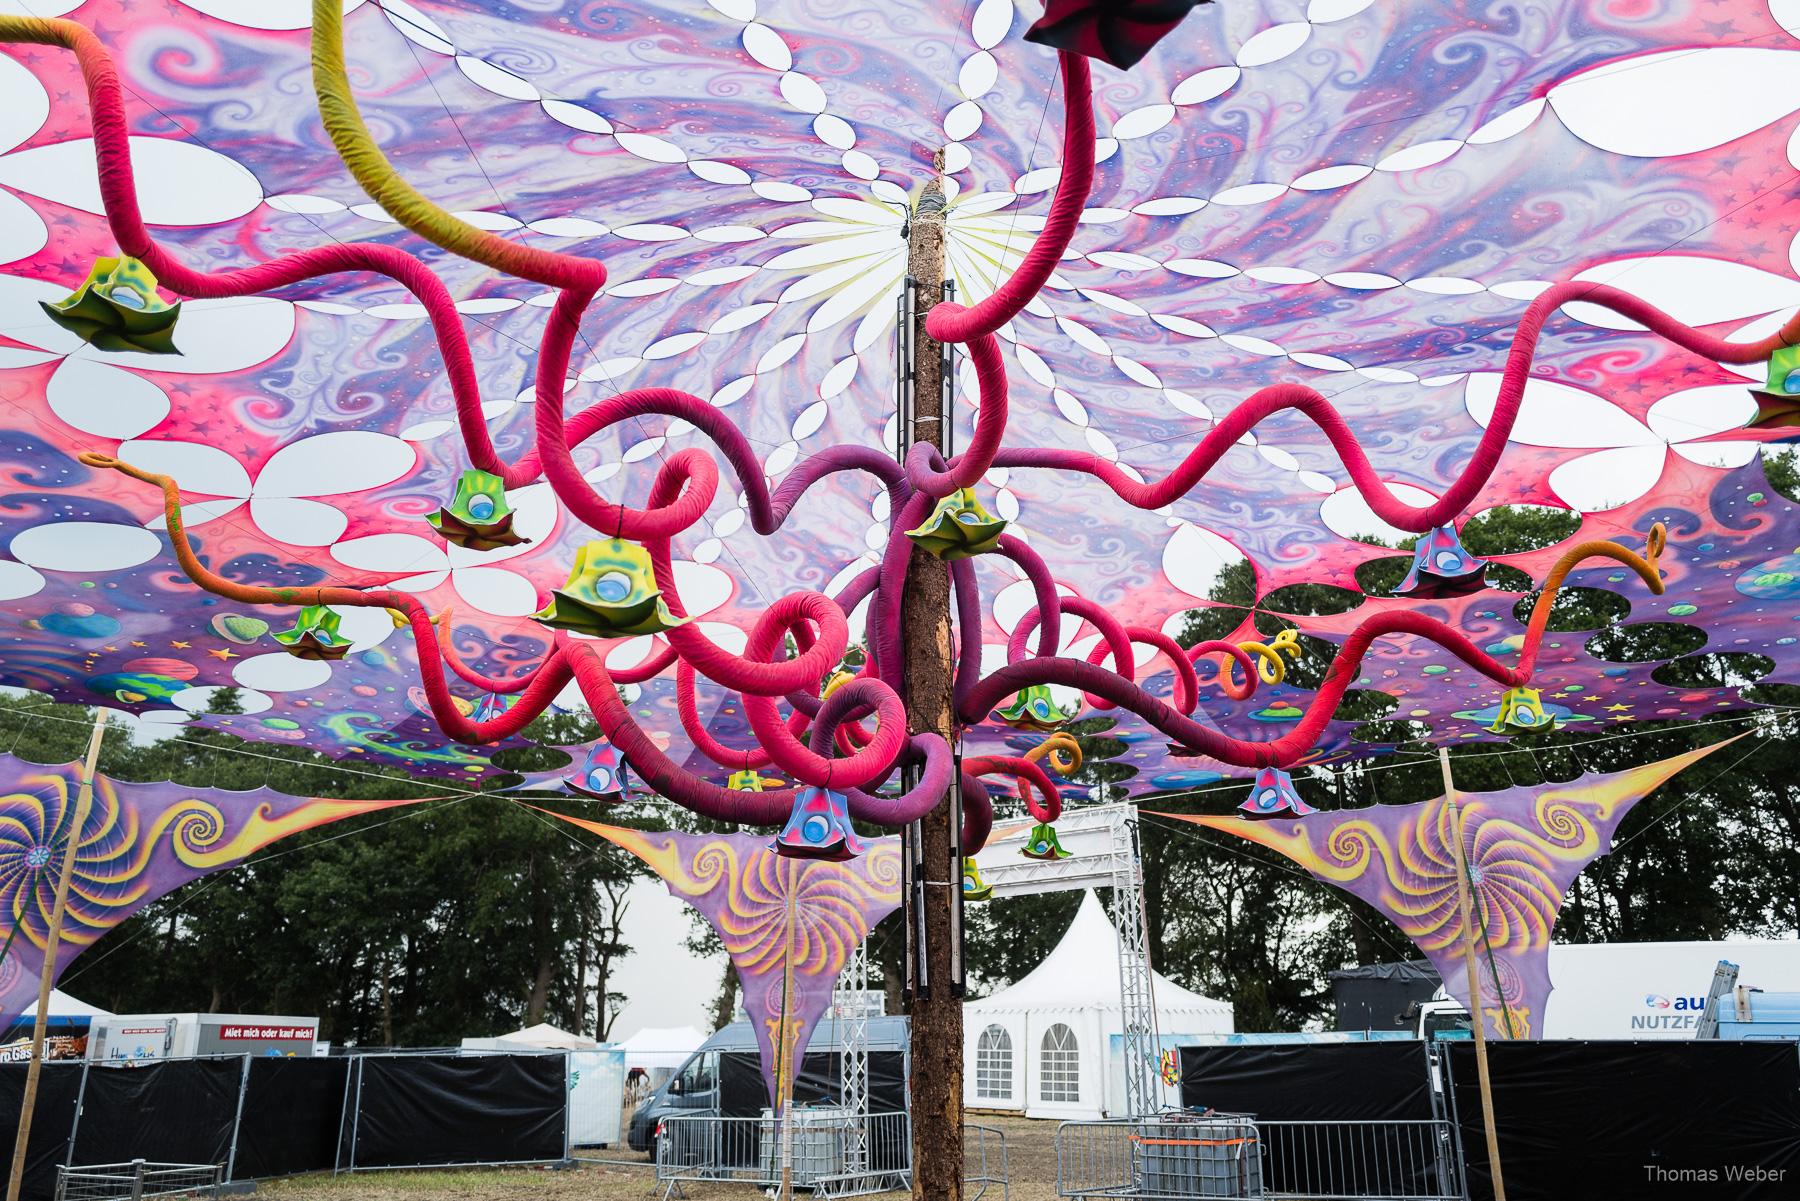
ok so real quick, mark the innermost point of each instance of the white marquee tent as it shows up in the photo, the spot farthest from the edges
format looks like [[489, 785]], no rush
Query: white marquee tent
[[660, 1050], [1050, 1046]]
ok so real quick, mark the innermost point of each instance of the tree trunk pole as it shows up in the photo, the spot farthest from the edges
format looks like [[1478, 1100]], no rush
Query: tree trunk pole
[[1477, 1022], [84, 802], [937, 1020]]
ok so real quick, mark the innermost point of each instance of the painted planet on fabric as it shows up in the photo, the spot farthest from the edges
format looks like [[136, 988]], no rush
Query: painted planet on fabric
[[1774, 579], [174, 669], [136, 687], [80, 625], [238, 628]]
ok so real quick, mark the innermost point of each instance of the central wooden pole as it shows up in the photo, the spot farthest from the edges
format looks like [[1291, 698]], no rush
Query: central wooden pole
[[84, 803], [937, 1025], [1477, 1022]]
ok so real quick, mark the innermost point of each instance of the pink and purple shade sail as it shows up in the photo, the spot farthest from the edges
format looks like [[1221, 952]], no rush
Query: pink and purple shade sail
[[140, 842], [1524, 847], [1167, 314], [788, 925]]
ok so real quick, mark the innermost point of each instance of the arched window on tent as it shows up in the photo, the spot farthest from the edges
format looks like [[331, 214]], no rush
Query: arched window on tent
[[994, 1065], [1059, 1066]]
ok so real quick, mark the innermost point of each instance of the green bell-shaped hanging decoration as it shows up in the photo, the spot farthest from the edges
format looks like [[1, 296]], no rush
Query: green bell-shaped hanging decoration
[[1778, 400], [1033, 708], [1042, 843], [315, 635], [959, 528], [1522, 712], [747, 781], [117, 308], [611, 593], [974, 887], [477, 516]]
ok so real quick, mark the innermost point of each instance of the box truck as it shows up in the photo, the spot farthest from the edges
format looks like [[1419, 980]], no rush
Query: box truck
[[144, 1036], [1635, 990]]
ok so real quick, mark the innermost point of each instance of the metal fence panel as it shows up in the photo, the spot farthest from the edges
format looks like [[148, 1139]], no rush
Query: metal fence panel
[[833, 1152], [1187, 1157]]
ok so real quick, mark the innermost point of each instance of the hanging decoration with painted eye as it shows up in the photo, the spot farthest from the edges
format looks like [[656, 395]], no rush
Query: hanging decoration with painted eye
[[819, 828], [747, 780], [1522, 711], [974, 888], [1034, 708], [1778, 400], [1442, 567], [1042, 843], [117, 307], [611, 593], [477, 516], [492, 705], [604, 775], [959, 528], [314, 635], [1274, 793]]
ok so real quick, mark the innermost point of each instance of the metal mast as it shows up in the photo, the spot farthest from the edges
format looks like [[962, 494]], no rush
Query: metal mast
[[1137, 1002]]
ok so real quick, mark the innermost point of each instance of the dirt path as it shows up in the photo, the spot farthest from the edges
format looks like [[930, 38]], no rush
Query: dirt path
[[1030, 1153]]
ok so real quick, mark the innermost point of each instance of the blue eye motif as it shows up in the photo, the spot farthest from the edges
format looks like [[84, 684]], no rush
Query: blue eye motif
[[481, 508], [1791, 384], [816, 830], [127, 296], [613, 586]]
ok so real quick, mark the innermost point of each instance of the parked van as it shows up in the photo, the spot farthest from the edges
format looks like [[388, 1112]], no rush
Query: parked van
[[725, 1077]]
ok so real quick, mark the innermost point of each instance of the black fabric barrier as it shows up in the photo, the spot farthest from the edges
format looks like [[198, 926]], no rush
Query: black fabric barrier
[[1319, 1082], [417, 1110], [293, 1111], [1635, 1121], [742, 1093], [178, 1111], [1310, 1082], [1382, 996], [59, 1085]]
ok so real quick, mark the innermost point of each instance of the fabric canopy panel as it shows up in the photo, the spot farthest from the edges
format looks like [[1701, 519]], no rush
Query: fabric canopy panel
[[788, 925], [1251, 223], [1523, 846], [140, 842]]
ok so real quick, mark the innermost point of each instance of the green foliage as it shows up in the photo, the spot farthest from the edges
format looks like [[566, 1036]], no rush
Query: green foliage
[[464, 916]]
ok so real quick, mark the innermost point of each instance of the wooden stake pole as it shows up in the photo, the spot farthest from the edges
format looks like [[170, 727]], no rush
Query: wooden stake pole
[[1477, 1022], [937, 1019], [784, 1056], [84, 802]]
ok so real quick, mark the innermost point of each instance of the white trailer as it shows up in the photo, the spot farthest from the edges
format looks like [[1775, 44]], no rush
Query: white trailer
[[1643, 990], [146, 1036]]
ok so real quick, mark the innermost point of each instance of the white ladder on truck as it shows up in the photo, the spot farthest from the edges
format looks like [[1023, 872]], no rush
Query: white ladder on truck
[[1724, 980]]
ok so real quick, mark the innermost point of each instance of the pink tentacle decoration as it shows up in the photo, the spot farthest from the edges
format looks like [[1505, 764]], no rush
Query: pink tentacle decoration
[[1187, 684], [1112, 633], [950, 322], [1234, 654], [967, 468], [978, 814], [648, 760], [1291, 746], [1045, 805]]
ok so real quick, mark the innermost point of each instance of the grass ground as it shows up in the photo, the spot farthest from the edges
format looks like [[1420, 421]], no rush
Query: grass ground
[[1031, 1156]]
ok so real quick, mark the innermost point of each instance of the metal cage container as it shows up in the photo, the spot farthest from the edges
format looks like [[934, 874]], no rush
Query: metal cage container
[[137, 1179], [1198, 1155]]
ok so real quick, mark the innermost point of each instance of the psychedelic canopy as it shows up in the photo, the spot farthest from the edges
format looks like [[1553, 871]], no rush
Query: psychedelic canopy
[[140, 842], [1366, 200], [789, 927], [1522, 847]]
